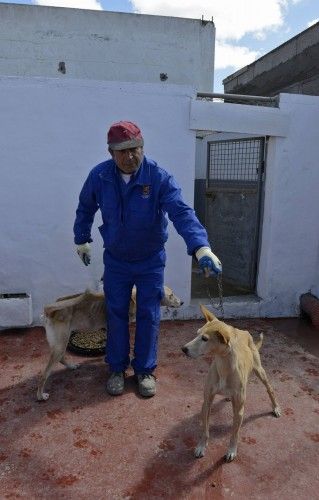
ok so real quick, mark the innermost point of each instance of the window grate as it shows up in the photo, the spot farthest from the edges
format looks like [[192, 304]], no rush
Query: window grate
[[234, 160]]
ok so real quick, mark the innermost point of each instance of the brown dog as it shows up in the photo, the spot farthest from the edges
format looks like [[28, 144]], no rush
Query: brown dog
[[235, 357], [84, 311]]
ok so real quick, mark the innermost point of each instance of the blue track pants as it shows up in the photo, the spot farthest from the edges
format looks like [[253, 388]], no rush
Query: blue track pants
[[119, 279]]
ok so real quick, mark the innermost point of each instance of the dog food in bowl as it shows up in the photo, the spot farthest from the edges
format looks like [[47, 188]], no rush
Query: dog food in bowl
[[88, 342]]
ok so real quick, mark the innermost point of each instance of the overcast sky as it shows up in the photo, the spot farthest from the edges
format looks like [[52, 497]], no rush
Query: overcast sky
[[245, 29]]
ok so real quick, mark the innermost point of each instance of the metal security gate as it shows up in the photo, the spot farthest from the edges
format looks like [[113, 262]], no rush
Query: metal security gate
[[233, 202]]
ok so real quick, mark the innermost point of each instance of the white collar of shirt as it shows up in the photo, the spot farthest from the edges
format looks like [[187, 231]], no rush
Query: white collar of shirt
[[126, 177]]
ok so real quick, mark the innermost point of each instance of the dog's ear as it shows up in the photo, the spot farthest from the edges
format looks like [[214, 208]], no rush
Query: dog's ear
[[58, 314], [223, 335], [209, 316]]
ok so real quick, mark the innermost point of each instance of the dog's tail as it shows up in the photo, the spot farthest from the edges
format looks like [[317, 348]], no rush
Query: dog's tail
[[258, 344]]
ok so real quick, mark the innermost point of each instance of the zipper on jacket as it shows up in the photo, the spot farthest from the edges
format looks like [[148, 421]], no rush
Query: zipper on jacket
[[124, 198]]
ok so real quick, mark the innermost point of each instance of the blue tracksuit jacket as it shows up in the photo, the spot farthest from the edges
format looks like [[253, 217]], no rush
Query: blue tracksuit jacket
[[134, 221], [134, 232]]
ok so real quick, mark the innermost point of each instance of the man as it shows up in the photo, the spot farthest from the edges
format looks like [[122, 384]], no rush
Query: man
[[134, 195]]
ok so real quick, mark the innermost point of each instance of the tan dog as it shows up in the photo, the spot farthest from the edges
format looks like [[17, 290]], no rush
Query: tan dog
[[235, 356], [85, 311]]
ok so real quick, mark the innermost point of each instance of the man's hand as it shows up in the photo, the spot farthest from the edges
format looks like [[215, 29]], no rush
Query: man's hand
[[84, 252], [208, 261]]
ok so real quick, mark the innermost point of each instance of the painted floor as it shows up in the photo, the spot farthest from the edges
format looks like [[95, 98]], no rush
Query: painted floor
[[84, 444]]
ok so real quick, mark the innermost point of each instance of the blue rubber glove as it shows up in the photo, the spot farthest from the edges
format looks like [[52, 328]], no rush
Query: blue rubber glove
[[208, 261], [84, 252]]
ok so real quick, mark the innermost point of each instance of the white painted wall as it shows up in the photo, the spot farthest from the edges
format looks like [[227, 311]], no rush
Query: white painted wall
[[290, 240], [53, 133], [102, 45], [289, 255], [244, 119], [315, 287]]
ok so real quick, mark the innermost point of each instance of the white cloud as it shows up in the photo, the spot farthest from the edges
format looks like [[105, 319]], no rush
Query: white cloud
[[233, 19], [260, 35], [233, 56], [311, 23], [75, 4]]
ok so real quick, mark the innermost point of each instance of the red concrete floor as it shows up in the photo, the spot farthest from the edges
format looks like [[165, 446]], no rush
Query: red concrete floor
[[85, 444]]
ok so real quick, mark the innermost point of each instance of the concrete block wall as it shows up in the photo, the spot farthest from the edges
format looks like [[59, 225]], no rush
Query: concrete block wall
[[109, 46]]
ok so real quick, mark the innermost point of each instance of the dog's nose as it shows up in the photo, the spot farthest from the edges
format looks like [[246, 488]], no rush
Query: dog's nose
[[185, 350], [182, 303]]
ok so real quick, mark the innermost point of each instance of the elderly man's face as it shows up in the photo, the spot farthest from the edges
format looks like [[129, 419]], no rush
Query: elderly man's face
[[128, 160]]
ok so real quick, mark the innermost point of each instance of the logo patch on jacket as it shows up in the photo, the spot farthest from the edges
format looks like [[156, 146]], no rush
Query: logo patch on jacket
[[146, 191]]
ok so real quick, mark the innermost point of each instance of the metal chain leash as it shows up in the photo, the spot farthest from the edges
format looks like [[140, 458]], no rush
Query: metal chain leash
[[219, 279]]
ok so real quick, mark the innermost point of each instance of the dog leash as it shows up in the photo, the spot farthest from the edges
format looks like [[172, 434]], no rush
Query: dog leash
[[220, 306], [93, 271]]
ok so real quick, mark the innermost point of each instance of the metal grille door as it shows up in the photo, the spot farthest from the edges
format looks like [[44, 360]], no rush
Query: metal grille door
[[233, 194]]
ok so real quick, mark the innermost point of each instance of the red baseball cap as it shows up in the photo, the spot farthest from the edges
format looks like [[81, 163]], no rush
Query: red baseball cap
[[124, 135]]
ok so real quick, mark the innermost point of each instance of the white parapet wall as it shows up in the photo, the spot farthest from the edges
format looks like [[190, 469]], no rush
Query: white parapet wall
[[54, 133]]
